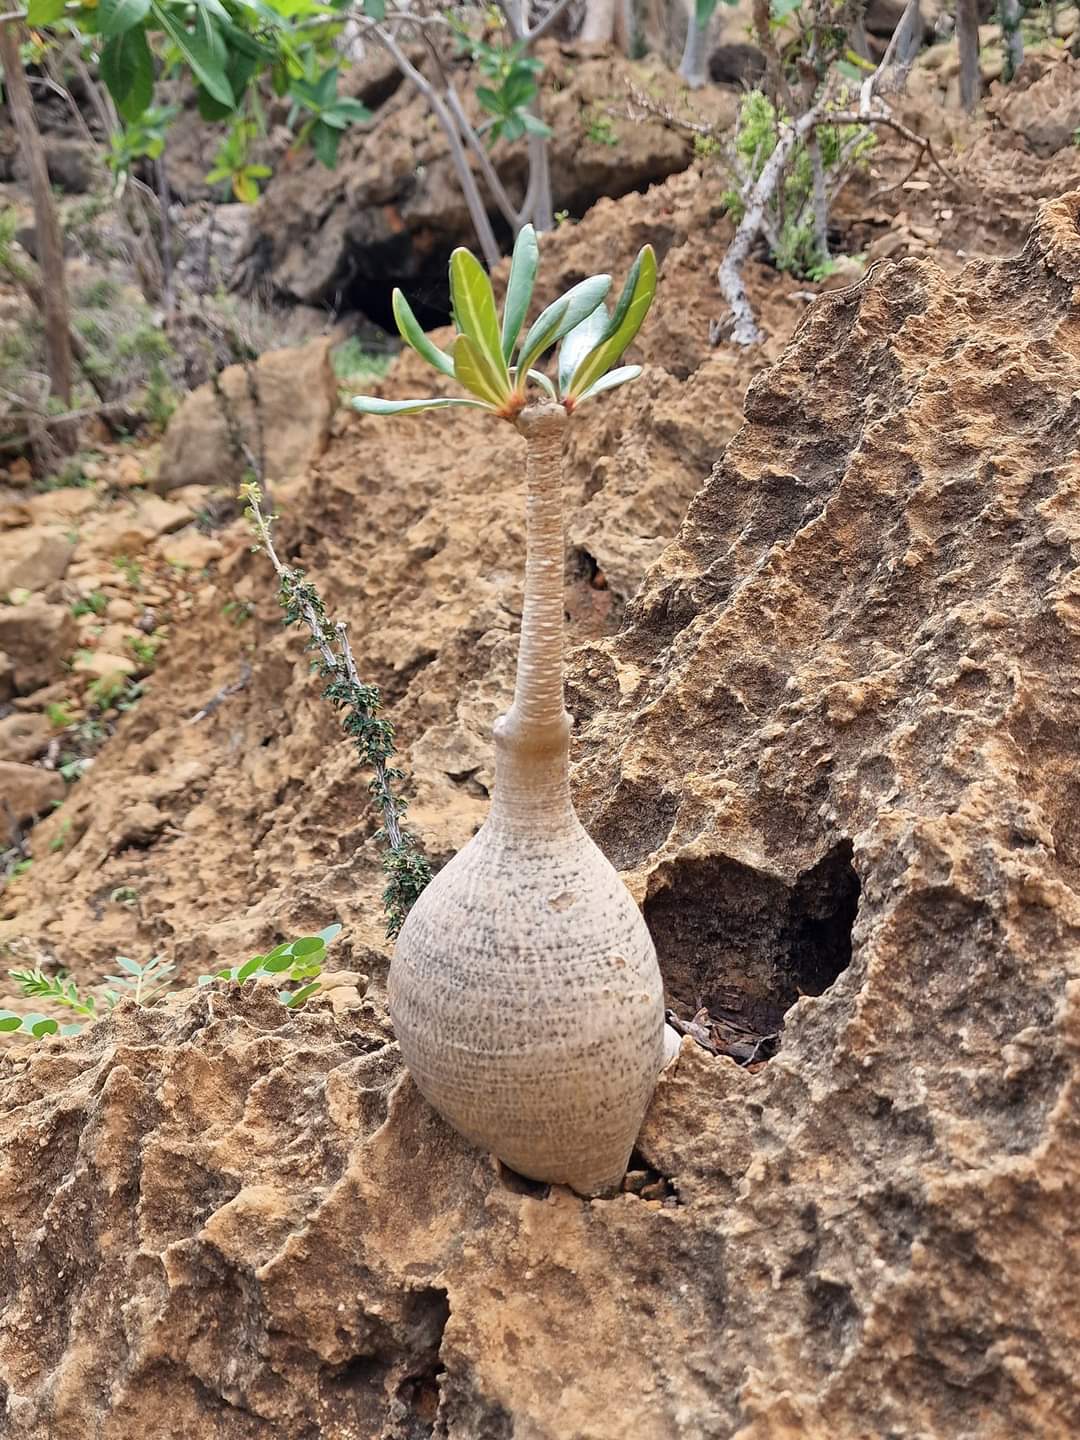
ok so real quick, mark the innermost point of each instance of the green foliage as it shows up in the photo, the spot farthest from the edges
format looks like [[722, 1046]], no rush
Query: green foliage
[[142, 983], [296, 963], [407, 871], [225, 48], [351, 359], [58, 715], [96, 603], [593, 341], [130, 569], [238, 612], [790, 211], [330, 113], [599, 129], [144, 649], [512, 86], [232, 162], [143, 139]]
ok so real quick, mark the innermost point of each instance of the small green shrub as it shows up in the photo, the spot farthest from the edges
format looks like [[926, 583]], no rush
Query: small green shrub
[[792, 240], [296, 965], [352, 359]]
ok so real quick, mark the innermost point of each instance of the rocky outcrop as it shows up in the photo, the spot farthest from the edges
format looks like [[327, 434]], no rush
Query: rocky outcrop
[[281, 410], [833, 750], [392, 209]]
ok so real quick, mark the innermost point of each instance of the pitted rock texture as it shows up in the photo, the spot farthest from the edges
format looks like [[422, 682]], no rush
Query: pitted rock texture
[[414, 531], [835, 744]]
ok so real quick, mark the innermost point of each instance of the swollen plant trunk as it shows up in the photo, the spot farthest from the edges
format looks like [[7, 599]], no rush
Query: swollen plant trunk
[[50, 247], [524, 988]]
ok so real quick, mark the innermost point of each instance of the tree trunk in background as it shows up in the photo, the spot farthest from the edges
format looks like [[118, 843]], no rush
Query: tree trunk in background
[[598, 27], [967, 41], [1011, 40], [607, 22], [692, 64], [50, 254]]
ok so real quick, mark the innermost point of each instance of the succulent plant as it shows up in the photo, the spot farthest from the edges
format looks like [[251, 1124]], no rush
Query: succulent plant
[[524, 987]]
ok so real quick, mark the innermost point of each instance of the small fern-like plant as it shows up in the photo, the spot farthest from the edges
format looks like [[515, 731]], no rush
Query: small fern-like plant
[[294, 963]]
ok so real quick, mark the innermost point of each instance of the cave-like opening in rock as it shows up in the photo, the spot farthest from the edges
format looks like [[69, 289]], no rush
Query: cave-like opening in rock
[[743, 945]]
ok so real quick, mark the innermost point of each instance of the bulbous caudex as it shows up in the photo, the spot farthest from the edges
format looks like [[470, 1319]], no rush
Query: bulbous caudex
[[524, 988]]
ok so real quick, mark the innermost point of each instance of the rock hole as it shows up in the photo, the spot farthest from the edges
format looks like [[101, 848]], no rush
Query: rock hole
[[743, 946], [647, 1183], [427, 1312], [521, 1184]]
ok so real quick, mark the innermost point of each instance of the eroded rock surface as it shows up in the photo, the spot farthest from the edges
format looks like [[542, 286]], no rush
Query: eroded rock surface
[[833, 750]]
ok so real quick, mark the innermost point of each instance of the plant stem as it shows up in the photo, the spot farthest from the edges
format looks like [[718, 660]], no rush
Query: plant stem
[[406, 869], [50, 246], [532, 786]]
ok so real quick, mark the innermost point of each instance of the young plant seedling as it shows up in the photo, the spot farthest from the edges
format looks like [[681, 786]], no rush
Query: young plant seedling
[[524, 987]]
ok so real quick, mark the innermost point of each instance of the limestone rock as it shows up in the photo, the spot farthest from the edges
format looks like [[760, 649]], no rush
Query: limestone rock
[[32, 557], [23, 736], [100, 664], [28, 791], [833, 750], [392, 209], [297, 393], [36, 637], [191, 549]]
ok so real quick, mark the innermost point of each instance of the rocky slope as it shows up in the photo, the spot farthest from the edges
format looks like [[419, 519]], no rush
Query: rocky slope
[[833, 751], [257, 817]]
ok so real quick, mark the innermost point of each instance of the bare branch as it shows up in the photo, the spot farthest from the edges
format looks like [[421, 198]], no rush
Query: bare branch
[[745, 330], [541, 28], [901, 34]]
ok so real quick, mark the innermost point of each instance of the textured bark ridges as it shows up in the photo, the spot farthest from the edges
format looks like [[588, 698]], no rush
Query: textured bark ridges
[[524, 988]]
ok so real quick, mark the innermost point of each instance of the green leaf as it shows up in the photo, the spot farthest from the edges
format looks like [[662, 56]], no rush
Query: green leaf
[[297, 997], [490, 100], [276, 964], [627, 320], [703, 12], [39, 1025], [44, 12], [560, 317], [476, 318], [579, 342], [369, 405], [131, 966], [9, 1022], [324, 141], [375, 9], [519, 288], [127, 69], [204, 51], [544, 383], [246, 971], [611, 381], [533, 124], [330, 933], [308, 945], [471, 371]]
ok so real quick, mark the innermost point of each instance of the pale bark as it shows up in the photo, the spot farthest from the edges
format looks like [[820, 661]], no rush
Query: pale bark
[[967, 41], [1011, 38], [745, 330], [50, 247], [695, 52], [598, 27]]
